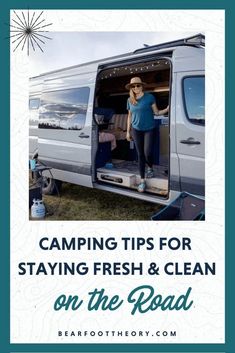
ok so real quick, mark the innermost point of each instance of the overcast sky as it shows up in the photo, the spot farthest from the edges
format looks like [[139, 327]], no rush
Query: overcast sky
[[72, 48]]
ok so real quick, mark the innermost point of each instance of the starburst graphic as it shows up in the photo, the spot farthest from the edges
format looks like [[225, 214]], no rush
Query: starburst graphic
[[28, 31]]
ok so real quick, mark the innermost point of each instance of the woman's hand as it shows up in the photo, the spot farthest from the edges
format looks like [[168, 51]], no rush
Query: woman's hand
[[128, 136], [158, 112]]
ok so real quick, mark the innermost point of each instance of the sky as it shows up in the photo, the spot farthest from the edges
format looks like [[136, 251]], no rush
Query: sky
[[72, 48]]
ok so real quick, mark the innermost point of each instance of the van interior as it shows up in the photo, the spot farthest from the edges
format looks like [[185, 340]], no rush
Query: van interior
[[116, 160]]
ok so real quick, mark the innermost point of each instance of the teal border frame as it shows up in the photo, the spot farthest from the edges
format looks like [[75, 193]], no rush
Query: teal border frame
[[5, 6]]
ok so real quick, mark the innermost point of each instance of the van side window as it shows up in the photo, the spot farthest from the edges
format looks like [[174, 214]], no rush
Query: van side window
[[34, 103], [64, 109], [194, 99]]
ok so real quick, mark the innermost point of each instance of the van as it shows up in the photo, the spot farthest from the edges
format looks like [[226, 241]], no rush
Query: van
[[70, 108]]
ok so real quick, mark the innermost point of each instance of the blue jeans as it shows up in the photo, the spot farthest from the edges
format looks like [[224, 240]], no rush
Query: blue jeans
[[144, 146]]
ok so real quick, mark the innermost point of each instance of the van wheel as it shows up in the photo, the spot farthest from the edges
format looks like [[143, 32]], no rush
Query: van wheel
[[51, 186]]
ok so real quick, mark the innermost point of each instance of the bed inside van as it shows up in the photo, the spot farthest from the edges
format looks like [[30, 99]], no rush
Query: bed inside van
[[116, 161]]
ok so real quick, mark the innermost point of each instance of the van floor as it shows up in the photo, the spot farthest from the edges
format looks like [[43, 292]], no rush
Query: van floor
[[129, 172]]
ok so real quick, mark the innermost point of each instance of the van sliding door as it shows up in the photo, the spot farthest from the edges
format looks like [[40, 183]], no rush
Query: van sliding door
[[190, 131]]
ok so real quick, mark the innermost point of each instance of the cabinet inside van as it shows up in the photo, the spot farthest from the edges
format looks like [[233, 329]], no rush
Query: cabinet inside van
[[116, 161]]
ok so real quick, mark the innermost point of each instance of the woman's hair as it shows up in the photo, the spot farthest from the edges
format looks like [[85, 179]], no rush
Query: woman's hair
[[133, 99]]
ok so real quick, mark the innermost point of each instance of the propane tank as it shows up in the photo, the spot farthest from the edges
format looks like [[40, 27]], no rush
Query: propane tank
[[38, 209]]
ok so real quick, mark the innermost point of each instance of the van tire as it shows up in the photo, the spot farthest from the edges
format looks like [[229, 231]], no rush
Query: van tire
[[51, 186]]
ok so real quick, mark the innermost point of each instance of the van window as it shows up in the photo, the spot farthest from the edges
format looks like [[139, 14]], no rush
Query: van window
[[34, 103], [194, 98], [65, 109]]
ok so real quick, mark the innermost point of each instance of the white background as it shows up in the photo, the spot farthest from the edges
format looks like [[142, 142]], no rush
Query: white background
[[33, 319]]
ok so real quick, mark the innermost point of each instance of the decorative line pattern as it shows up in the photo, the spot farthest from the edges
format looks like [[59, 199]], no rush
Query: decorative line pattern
[[27, 31]]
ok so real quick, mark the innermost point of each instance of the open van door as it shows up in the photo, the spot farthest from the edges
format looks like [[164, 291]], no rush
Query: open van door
[[64, 130], [190, 131]]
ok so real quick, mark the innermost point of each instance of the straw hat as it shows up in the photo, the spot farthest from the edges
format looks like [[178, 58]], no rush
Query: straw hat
[[135, 81]]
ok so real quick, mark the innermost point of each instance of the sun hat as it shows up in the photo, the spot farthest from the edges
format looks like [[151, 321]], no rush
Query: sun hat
[[134, 81]]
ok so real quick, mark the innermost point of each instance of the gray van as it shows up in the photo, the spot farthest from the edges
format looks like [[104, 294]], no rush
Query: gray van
[[70, 108]]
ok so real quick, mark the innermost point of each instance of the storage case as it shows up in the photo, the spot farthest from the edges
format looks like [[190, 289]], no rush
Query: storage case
[[186, 207]]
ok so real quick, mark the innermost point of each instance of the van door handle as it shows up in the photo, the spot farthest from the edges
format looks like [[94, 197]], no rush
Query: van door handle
[[190, 141], [83, 136]]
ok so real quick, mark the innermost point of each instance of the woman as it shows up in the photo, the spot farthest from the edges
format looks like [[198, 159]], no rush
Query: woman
[[141, 108]]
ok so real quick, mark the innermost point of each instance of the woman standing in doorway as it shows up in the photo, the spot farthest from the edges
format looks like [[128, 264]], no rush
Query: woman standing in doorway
[[141, 108]]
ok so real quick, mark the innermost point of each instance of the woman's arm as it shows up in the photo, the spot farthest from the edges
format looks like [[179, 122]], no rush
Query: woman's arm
[[156, 111], [128, 132]]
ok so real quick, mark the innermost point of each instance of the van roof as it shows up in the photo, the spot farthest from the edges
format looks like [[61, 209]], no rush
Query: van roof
[[197, 41]]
